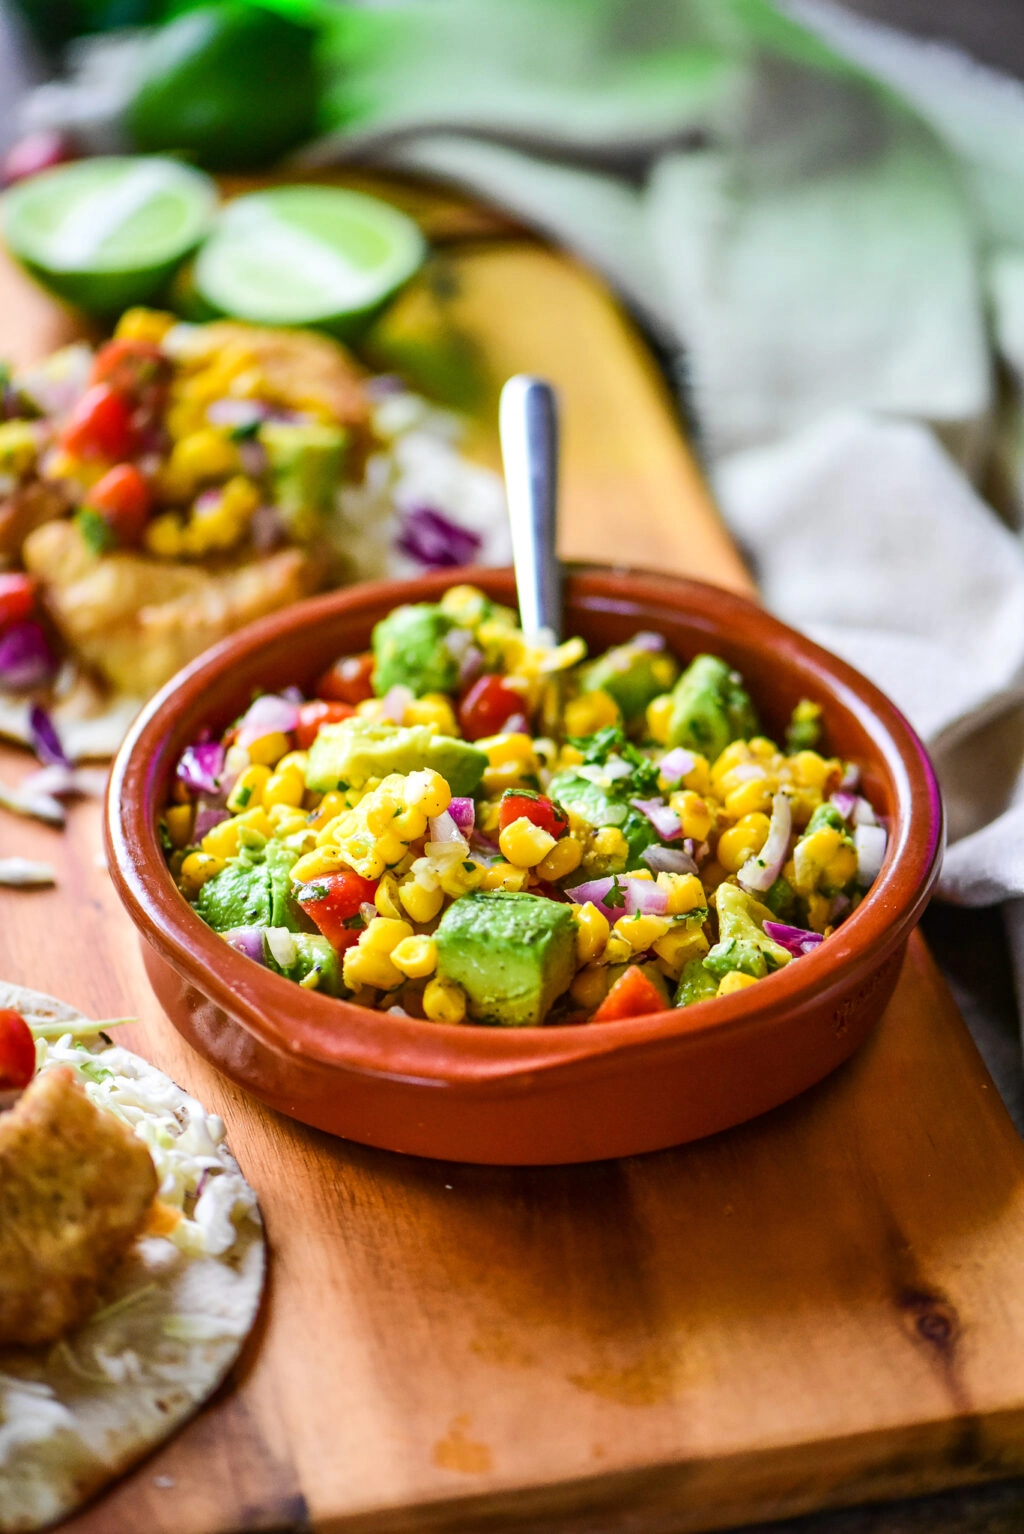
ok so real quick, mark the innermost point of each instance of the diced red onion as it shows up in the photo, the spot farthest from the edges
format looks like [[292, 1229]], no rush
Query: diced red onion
[[435, 541], [208, 816], [395, 702], [457, 642], [850, 778], [760, 872], [646, 640], [383, 386], [840, 905], [845, 803], [444, 829], [669, 860], [269, 714], [516, 724], [676, 764], [664, 820], [247, 940], [644, 896], [236, 412], [26, 660], [200, 766], [463, 812], [252, 458], [23, 801], [748, 772], [864, 814], [266, 528], [795, 940], [870, 842], [368, 911], [282, 946], [62, 781], [44, 737], [470, 666]]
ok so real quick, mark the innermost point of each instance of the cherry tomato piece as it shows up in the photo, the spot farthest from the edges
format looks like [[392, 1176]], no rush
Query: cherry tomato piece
[[17, 598], [123, 499], [17, 1051], [349, 680], [100, 426], [138, 370], [486, 706], [632, 995], [316, 713], [333, 900], [519, 803]]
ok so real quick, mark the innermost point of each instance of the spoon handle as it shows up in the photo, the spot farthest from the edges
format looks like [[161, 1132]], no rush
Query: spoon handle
[[528, 422]]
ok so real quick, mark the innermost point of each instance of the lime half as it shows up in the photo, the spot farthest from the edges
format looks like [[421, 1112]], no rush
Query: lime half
[[107, 233], [307, 255]]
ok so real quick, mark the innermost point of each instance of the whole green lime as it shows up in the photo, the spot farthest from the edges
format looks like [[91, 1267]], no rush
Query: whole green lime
[[232, 86]]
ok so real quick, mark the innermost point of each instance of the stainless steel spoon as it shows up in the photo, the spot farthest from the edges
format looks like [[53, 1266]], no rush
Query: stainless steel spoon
[[528, 424]]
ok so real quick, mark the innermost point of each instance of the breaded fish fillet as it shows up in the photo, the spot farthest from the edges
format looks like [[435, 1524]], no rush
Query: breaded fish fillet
[[75, 1188]]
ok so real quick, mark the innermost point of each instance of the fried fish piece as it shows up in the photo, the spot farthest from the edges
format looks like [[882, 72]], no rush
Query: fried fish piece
[[75, 1188], [136, 620]]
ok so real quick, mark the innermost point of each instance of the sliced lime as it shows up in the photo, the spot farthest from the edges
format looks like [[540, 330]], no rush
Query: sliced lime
[[306, 255], [107, 233]]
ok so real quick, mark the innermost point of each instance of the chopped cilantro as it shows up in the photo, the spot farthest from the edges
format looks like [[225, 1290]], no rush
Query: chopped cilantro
[[355, 924], [246, 432], [97, 533], [616, 896], [243, 795]]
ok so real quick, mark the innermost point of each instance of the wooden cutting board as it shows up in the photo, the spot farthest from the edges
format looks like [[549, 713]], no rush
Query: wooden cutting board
[[820, 1307]]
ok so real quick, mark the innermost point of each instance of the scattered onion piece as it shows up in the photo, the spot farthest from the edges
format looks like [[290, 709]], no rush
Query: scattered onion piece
[[795, 940], [870, 842], [760, 873], [664, 820], [23, 873]]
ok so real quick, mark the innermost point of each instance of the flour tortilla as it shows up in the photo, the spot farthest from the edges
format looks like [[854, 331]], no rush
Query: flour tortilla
[[77, 1413]]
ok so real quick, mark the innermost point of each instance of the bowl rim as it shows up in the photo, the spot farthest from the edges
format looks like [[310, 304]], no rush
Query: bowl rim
[[334, 1033]]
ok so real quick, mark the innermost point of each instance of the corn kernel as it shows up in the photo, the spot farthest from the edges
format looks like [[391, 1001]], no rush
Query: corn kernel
[[695, 816], [734, 981], [383, 934], [640, 931], [525, 844], [421, 904], [314, 865], [617, 950], [460, 878], [164, 536], [221, 841], [195, 870], [178, 819], [427, 791], [508, 775], [144, 325], [565, 856], [738, 844], [514, 747], [331, 806], [386, 898], [201, 455], [659, 717], [466, 604], [290, 822], [380, 812], [284, 788], [819, 912], [812, 855], [391, 849], [444, 1001], [685, 893], [840, 869], [416, 957], [256, 820], [811, 770], [433, 708], [502, 876], [590, 987], [591, 933], [590, 712], [610, 843], [248, 790], [750, 798], [803, 803], [682, 942], [735, 755], [269, 749], [410, 824], [294, 761], [361, 966]]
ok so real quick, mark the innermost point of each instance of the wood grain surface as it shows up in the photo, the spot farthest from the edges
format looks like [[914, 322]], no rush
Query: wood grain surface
[[820, 1307]]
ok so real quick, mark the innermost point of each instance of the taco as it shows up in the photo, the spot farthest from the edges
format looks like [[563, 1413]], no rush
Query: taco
[[131, 1264]]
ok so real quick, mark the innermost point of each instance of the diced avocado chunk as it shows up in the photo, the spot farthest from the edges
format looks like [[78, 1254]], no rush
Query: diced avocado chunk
[[512, 954], [710, 708], [347, 754], [826, 815], [804, 729], [632, 674], [695, 984], [409, 651], [312, 952], [743, 943], [253, 890], [599, 807], [306, 460]]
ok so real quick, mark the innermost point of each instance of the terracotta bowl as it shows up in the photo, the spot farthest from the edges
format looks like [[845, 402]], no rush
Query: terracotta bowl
[[576, 1093]]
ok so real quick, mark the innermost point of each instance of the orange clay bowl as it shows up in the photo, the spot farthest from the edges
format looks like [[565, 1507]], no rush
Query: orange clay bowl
[[533, 1095]]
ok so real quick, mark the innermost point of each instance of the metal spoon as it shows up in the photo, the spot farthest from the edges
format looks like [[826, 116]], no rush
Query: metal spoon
[[528, 424]]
